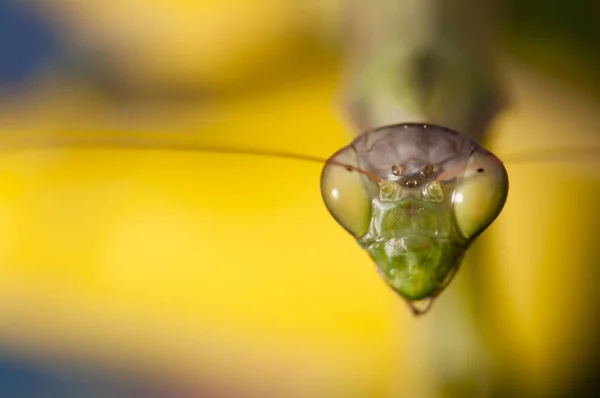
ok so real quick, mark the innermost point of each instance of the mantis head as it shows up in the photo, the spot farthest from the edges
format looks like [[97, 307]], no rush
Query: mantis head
[[414, 197]]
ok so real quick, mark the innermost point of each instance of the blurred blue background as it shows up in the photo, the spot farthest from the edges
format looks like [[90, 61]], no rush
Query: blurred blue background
[[28, 43]]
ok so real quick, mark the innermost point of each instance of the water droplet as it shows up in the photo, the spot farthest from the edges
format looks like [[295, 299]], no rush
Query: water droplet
[[419, 307]]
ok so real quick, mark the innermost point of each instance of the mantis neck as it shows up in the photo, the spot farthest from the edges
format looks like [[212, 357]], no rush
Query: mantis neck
[[422, 61]]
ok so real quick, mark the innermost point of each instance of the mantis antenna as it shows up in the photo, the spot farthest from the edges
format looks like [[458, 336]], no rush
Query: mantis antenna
[[22, 142], [25, 142], [554, 155]]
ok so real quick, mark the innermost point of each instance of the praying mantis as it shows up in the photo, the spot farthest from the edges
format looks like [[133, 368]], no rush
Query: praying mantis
[[415, 188], [395, 100]]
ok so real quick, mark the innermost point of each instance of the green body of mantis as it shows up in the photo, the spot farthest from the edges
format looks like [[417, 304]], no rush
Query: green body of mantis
[[429, 61], [417, 195]]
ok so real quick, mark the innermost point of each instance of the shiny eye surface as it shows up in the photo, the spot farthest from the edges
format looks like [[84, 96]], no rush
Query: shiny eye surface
[[347, 193], [480, 193]]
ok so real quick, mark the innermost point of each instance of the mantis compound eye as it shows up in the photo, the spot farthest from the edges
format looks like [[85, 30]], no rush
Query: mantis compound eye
[[480, 193], [347, 191]]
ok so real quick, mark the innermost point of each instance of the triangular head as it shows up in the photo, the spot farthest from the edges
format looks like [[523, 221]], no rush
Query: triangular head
[[415, 197]]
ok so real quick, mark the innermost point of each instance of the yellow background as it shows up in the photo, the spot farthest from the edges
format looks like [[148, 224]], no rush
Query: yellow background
[[201, 268]]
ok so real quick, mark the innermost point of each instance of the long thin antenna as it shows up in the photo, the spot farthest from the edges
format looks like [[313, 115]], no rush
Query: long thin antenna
[[144, 143], [140, 143], [554, 155]]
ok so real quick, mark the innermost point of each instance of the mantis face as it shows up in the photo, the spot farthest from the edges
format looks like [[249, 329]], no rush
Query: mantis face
[[414, 197]]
